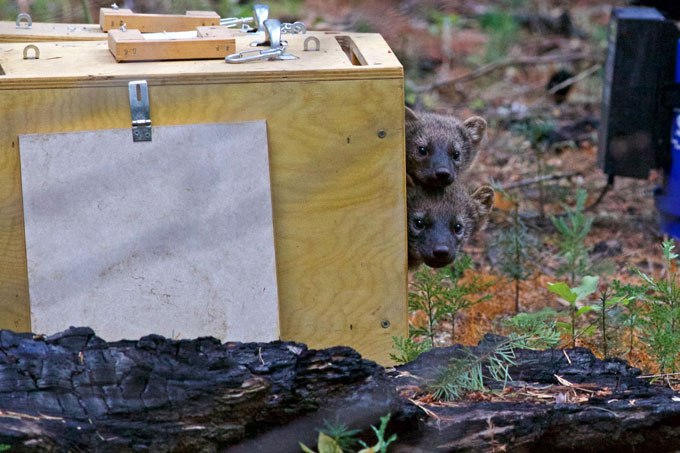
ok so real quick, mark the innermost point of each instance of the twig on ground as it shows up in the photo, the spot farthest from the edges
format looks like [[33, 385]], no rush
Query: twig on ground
[[578, 77], [565, 354], [521, 61], [649, 376], [537, 179]]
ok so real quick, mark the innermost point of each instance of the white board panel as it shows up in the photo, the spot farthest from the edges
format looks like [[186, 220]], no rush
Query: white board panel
[[172, 236]]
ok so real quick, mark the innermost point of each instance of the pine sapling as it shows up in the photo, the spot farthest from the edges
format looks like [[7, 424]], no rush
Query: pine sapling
[[457, 296], [632, 310], [468, 372], [517, 247], [663, 324], [573, 229], [428, 293]]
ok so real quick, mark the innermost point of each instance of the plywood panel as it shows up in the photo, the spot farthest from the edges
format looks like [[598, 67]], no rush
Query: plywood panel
[[131, 238], [338, 189]]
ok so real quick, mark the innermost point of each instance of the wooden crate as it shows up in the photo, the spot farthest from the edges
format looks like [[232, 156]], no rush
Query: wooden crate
[[336, 141]]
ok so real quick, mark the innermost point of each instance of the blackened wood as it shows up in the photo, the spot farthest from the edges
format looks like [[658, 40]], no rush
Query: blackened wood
[[75, 392]]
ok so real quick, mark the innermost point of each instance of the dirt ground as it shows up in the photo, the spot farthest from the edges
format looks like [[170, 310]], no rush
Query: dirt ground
[[443, 45]]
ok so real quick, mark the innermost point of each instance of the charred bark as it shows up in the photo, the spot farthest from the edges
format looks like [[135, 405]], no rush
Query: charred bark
[[75, 392]]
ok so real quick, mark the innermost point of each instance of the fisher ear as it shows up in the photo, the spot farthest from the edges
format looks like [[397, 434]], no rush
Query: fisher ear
[[476, 127], [484, 197], [411, 116]]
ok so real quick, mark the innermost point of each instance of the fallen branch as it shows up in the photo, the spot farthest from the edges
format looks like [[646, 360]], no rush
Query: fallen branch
[[537, 179], [578, 77], [521, 61]]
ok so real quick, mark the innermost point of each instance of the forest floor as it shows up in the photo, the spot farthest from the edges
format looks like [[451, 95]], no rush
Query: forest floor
[[495, 59]]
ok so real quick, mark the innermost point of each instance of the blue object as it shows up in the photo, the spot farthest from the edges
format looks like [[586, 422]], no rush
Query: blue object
[[668, 204]]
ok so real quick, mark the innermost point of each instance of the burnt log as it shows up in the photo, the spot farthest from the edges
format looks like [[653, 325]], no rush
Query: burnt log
[[75, 392], [604, 406]]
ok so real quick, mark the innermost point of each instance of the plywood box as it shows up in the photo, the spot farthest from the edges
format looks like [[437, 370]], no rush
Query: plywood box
[[335, 125]]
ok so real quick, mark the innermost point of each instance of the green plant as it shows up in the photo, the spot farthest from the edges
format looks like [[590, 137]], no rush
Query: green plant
[[537, 132], [381, 444], [663, 323], [574, 295], [458, 294], [441, 294], [502, 29], [329, 443], [343, 437], [541, 324], [632, 309], [573, 229], [427, 293], [608, 301], [436, 20], [517, 247], [467, 373], [409, 349]]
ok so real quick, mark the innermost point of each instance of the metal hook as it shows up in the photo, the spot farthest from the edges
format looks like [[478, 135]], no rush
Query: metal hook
[[317, 45], [27, 17], [36, 51], [123, 27], [114, 6]]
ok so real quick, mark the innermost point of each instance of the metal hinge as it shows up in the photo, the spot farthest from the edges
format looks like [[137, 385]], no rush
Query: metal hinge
[[139, 110]]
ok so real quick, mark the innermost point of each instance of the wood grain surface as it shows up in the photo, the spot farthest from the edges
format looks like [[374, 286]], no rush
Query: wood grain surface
[[110, 19], [130, 45]]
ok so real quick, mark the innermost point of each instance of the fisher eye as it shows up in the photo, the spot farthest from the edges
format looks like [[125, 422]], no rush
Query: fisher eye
[[456, 155], [419, 224], [458, 228], [422, 150]]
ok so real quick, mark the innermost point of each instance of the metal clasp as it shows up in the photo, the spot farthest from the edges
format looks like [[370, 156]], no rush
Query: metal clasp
[[139, 110], [27, 18], [272, 29], [294, 28]]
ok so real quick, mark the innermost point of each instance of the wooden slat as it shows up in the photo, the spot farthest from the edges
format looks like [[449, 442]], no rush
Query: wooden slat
[[110, 19], [130, 45], [41, 31]]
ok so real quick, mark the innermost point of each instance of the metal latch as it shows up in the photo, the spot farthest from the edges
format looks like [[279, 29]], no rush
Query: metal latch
[[277, 51], [139, 110]]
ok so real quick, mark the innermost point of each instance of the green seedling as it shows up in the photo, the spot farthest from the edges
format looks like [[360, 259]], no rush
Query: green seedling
[[573, 296]]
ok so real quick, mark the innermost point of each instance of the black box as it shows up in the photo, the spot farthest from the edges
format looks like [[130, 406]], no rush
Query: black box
[[635, 130]]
